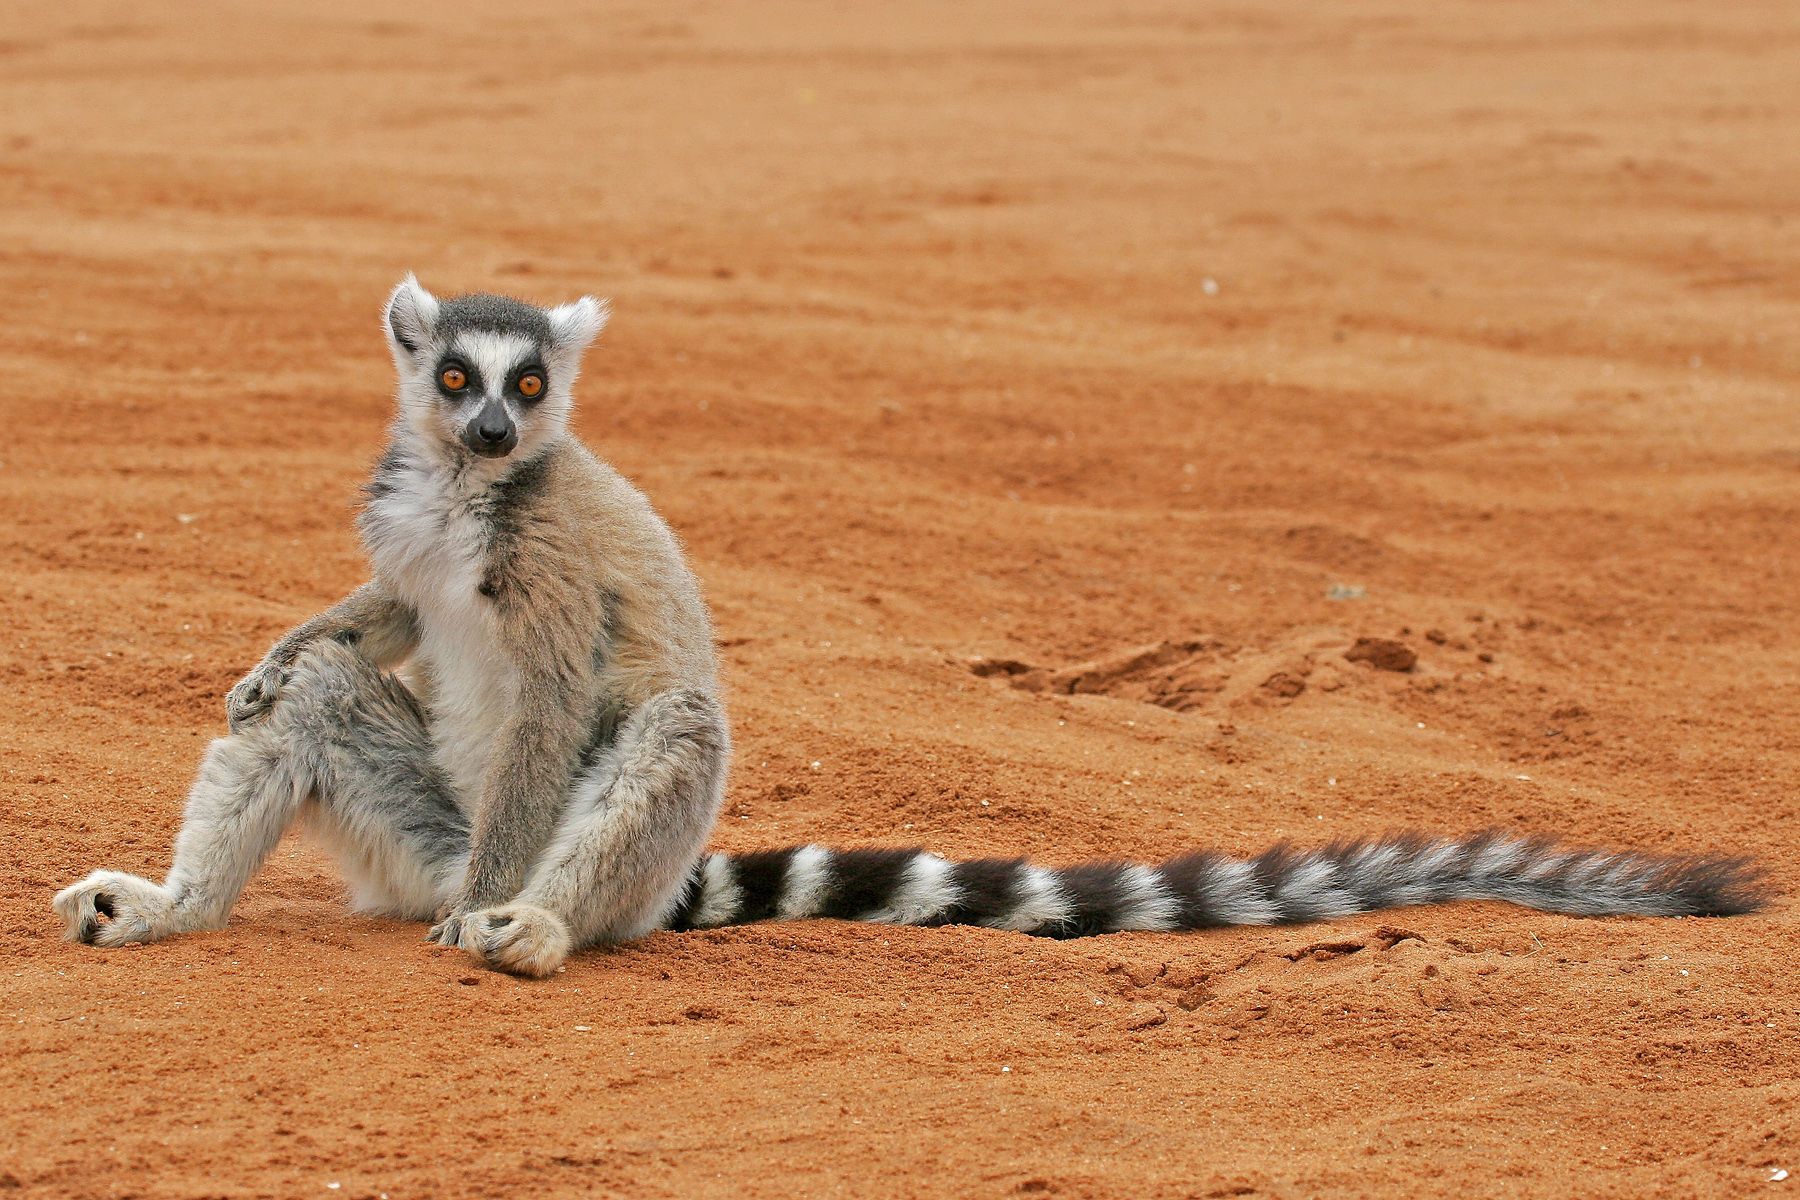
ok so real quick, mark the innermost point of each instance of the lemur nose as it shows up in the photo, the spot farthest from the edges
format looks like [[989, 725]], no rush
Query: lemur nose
[[493, 435]]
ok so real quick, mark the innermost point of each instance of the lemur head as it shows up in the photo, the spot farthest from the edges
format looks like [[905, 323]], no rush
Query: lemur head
[[484, 375]]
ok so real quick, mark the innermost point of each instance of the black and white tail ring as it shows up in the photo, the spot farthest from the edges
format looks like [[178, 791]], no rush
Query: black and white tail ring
[[1199, 891]]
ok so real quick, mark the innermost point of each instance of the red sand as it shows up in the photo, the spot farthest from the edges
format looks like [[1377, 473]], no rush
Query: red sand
[[915, 345]]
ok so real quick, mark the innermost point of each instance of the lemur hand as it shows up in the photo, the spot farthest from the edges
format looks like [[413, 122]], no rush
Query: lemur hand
[[448, 930], [254, 695], [453, 919]]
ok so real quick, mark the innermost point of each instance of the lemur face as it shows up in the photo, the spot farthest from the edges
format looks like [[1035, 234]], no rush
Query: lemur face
[[486, 376]]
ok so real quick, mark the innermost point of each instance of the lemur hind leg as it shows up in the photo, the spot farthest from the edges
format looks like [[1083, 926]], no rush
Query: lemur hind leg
[[635, 823], [346, 746]]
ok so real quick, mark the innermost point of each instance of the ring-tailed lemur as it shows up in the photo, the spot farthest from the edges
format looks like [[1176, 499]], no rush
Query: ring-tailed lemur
[[545, 769]]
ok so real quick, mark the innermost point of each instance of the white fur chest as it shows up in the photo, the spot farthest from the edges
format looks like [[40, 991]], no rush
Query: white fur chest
[[425, 543]]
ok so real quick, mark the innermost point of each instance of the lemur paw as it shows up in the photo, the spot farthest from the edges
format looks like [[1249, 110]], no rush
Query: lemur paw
[[254, 695], [110, 908], [518, 938]]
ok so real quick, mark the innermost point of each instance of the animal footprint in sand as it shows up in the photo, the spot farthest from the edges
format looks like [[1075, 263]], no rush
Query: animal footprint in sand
[[1187, 675]]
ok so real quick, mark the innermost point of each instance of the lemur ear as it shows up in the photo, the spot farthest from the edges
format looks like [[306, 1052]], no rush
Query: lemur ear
[[412, 313], [573, 326]]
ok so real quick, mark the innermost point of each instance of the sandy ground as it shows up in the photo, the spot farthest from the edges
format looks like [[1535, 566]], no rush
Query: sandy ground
[[1042, 333]]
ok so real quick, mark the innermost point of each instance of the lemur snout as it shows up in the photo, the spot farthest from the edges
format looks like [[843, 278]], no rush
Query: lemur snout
[[491, 434]]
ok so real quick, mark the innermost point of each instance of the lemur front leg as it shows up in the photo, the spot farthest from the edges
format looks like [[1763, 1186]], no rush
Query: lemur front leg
[[385, 629], [347, 743], [344, 734], [520, 797], [636, 821]]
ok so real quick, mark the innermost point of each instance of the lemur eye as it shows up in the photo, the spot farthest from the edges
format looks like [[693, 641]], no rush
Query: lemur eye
[[453, 378], [531, 385]]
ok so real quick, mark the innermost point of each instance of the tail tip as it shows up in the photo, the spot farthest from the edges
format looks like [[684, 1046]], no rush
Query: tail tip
[[1722, 887]]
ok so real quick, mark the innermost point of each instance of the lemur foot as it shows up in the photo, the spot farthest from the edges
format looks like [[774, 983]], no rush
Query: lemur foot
[[110, 908], [518, 938]]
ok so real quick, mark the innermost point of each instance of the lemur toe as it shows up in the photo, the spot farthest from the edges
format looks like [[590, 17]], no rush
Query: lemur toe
[[254, 696], [447, 932], [239, 714]]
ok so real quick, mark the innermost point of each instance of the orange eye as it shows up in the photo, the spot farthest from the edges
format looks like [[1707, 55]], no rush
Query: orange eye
[[453, 378], [531, 386]]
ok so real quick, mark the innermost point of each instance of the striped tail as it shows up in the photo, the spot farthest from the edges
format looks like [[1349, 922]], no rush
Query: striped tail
[[1198, 891]]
